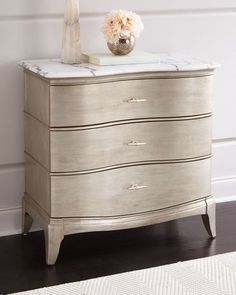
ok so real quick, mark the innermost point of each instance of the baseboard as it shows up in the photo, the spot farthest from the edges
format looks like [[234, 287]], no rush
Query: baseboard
[[224, 189], [10, 222], [224, 170], [226, 199]]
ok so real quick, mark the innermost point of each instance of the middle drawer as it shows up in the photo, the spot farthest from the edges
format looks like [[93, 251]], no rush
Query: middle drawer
[[77, 150], [68, 150]]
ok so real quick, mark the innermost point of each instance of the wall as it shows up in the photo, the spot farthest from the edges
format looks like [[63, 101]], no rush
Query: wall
[[32, 29]]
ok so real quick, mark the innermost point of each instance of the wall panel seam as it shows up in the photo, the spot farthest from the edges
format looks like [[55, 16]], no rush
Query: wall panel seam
[[223, 141], [12, 166], [99, 15], [224, 179], [4, 210]]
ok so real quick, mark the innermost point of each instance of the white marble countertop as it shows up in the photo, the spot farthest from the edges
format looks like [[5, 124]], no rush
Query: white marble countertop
[[54, 69]]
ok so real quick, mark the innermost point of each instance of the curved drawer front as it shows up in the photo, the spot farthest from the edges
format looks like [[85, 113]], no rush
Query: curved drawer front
[[129, 190], [114, 101], [151, 141]]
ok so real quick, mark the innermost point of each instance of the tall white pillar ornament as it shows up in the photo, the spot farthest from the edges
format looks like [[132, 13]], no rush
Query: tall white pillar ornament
[[71, 51]]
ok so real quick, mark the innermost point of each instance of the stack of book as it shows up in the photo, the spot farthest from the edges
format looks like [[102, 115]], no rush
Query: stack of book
[[108, 59]]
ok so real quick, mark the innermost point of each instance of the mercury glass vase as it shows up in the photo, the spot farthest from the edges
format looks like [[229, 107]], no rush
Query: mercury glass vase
[[71, 52], [123, 46]]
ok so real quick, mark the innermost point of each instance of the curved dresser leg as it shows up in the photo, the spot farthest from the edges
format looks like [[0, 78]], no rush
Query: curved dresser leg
[[27, 220], [53, 238], [209, 220]]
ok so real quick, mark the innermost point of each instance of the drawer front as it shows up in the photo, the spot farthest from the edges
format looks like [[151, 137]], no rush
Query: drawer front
[[102, 147], [130, 190], [151, 98]]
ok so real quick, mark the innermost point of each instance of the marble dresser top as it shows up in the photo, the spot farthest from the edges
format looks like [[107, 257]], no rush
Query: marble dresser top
[[53, 68]]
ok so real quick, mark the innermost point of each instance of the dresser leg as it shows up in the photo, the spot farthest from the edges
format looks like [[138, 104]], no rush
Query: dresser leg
[[27, 220], [209, 220], [53, 238]]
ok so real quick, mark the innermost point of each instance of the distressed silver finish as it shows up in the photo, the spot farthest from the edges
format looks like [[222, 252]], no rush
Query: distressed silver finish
[[116, 152], [123, 46]]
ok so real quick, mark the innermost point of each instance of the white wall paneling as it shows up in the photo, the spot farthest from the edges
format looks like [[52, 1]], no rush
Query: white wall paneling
[[32, 29], [44, 8], [12, 186], [224, 170]]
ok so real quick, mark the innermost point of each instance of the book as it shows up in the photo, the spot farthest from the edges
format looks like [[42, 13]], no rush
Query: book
[[108, 59]]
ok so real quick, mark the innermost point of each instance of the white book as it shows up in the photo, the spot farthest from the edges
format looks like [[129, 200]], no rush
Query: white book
[[108, 59]]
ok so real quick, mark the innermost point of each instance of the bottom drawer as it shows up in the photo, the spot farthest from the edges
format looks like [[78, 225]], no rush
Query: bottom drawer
[[130, 190]]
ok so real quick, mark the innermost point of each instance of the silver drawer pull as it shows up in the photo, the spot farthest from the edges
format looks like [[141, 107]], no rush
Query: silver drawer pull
[[136, 100], [136, 143], [136, 187]]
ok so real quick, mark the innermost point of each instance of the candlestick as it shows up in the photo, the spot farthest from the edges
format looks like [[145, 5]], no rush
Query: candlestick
[[71, 51]]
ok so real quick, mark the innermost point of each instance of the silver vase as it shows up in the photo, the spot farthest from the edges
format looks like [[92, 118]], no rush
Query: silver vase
[[123, 46]]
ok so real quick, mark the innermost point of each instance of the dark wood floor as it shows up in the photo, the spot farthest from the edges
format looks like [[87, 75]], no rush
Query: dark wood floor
[[85, 256]]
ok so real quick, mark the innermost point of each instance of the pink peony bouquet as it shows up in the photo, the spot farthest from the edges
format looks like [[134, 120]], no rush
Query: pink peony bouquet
[[120, 24]]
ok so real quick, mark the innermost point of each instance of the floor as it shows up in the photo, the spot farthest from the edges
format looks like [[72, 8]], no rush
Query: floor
[[85, 256]]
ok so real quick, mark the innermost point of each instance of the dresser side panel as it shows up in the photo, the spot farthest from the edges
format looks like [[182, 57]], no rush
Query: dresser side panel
[[37, 96], [38, 184], [37, 140]]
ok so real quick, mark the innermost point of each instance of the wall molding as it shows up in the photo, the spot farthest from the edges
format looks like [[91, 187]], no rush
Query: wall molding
[[223, 179], [9, 209], [226, 199], [35, 17], [231, 140], [11, 166], [100, 14], [11, 221]]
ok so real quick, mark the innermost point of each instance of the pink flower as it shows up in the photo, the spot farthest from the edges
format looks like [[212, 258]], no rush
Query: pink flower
[[121, 24]]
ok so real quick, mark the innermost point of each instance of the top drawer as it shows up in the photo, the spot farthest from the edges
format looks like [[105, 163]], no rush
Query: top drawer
[[114, 101]]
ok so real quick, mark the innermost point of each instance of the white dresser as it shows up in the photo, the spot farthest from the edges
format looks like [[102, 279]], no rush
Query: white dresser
[[116, 147]]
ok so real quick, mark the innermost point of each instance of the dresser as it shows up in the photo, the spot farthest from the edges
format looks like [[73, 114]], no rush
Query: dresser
[[116, 147]]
